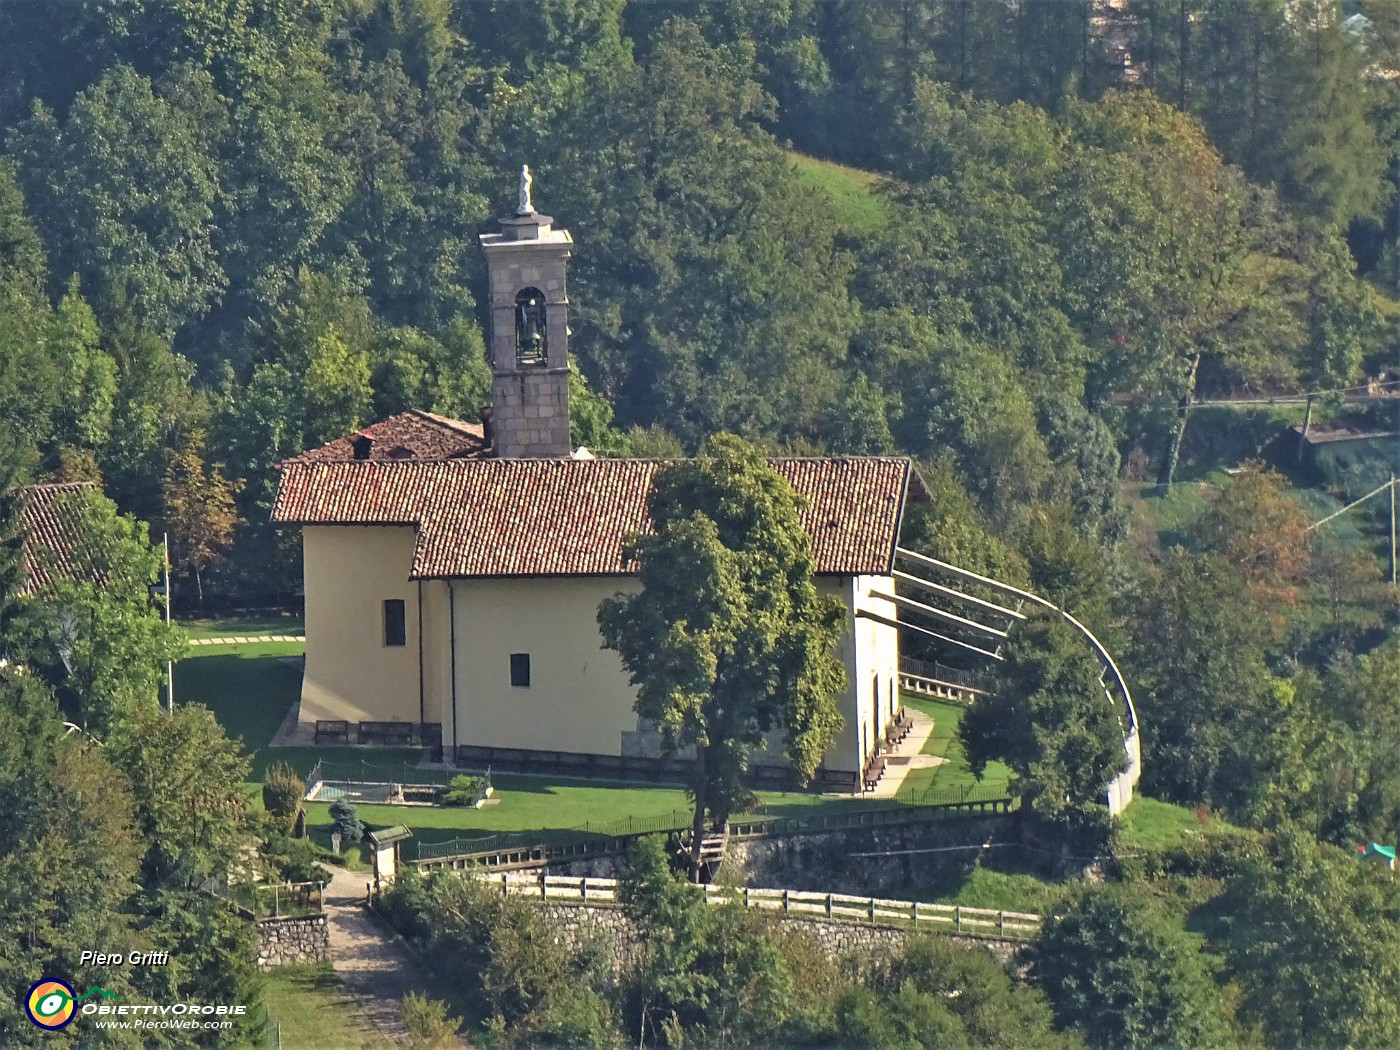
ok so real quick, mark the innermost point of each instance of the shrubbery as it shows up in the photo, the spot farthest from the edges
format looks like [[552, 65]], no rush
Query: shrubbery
[[347, 822], [705, 975], [501, 953], [462, 790], [282, 794], [429, 1027]]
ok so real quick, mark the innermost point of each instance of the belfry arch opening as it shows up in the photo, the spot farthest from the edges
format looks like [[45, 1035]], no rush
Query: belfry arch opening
[[531, 329]]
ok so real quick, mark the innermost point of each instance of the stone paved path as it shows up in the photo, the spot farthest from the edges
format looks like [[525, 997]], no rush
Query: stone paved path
[[906, 757], [235, 639], [373, 966]]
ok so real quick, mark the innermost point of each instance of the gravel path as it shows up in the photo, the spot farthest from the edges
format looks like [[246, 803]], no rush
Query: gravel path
[[369, 961]]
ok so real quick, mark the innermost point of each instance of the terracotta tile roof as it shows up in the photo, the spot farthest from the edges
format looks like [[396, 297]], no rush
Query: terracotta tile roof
[[537, 517], [410, 435], [51, 518]]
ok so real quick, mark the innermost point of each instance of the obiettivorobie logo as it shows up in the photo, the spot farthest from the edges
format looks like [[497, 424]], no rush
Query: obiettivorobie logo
[[52, 1004]]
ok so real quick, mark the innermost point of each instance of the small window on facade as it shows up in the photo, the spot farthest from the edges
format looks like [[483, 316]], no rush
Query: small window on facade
[[520, 669], [394, 631]]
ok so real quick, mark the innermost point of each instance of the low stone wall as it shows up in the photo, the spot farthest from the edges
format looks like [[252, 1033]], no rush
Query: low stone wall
[[282, 942], [608, 929], [828, 861], [874, 861]]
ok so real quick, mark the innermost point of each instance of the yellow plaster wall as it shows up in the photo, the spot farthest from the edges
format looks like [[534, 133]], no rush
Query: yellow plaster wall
[[578, 698], [350, 672], [870, 653]]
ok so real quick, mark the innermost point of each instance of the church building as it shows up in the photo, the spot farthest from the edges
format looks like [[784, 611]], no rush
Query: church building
[[453, 570]]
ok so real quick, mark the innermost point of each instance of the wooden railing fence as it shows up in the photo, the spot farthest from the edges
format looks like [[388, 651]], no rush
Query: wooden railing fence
[[799, 904]]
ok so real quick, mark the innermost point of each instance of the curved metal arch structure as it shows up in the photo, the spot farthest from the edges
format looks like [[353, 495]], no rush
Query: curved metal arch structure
[[1120, 791]]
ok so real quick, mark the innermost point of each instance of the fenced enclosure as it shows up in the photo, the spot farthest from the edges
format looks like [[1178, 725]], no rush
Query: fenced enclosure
[[800, 904], [383, 783], [280, 900]]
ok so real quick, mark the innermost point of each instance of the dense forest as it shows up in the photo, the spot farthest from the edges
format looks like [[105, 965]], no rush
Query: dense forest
[[1014, 240]]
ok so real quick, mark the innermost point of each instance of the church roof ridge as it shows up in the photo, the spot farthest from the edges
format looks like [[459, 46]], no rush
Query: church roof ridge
[[565, 517]]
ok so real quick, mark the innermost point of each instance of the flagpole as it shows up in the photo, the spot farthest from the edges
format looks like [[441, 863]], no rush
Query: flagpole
[[169, 664]]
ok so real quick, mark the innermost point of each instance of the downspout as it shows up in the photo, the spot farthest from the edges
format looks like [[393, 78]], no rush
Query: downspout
[[422, 702], [452, 648]]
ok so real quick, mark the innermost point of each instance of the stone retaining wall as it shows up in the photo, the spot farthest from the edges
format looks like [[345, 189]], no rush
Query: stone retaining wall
[[827, 861], [904, 855], [282, 942], [581, 927]]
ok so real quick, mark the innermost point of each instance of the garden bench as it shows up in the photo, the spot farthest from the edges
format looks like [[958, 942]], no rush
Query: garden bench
[[385, 733], [333, 729]]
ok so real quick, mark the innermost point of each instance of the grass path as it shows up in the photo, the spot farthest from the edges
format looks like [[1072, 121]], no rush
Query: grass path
[[315, 1011]]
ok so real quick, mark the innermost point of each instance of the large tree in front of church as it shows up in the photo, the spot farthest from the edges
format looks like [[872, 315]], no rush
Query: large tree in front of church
[[728, 637]]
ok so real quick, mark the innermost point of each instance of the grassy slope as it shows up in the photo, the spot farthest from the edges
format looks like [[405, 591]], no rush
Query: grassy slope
[[854, 204], [248, 686], [314, 1011]]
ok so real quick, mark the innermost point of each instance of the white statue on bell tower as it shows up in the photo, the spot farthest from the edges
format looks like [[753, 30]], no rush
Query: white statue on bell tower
[[525, 208]]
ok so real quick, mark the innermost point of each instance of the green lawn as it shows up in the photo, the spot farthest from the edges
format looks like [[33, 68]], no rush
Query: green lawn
[[955, 772], [251, 686], [851, 192], [1148, 824], [999, 881], [314, 1011], [269, 623]]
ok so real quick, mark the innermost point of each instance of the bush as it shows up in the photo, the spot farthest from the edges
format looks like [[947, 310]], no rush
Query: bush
[[282, 792], [462, 790], [1127, 975], [429, 1027], [501, 953], [296, 859], [347, 822]]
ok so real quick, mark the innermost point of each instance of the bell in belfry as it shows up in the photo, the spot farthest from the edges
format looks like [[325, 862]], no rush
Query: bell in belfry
[[528, 325]]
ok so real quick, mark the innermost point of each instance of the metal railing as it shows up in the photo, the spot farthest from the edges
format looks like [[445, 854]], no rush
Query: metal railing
[[276, 900], [943, 673], [521, 848]]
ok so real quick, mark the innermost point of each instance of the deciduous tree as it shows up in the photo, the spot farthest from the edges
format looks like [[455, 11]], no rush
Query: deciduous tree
[[199, 508], [728, 637], [1049, 719]]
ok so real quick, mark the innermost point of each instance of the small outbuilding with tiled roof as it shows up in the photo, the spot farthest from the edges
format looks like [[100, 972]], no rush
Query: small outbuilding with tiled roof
[[51, 518]]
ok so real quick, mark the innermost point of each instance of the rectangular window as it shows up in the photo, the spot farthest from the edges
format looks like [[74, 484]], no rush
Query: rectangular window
[[520, 669], [394, 631]]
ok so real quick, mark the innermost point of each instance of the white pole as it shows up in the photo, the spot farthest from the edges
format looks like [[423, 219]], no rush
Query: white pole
[[169, 664]]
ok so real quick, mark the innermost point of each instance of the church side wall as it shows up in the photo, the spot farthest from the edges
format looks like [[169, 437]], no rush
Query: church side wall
[[437, 656], [870, 653], [879, 646], [845, 753], [350, 673], [578, 698]]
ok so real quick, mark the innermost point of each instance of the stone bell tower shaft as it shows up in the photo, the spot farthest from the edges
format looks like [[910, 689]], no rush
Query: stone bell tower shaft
[[529, 347]]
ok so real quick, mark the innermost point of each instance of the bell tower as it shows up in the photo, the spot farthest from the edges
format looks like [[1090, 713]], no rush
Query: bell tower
[[529, 346]]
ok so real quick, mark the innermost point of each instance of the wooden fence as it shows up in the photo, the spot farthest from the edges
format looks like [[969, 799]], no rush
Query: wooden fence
[[798, 904]]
